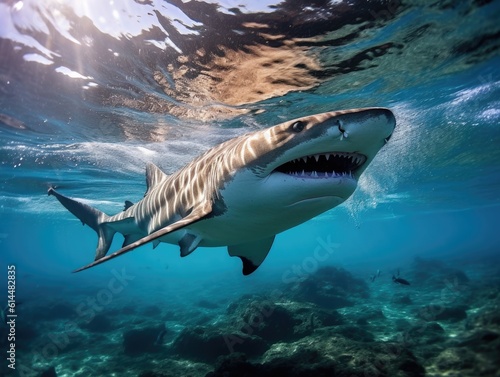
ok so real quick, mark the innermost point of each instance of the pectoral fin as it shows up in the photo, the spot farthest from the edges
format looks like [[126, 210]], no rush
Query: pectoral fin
[[195, 216], [252, 254]]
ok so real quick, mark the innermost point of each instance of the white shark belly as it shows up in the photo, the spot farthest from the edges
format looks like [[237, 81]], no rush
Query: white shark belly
[[242, 226], [255, 211]]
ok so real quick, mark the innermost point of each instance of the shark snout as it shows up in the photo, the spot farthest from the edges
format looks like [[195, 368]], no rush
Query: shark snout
[[385, 120], [390, 121], [367, 127], [386, 112]]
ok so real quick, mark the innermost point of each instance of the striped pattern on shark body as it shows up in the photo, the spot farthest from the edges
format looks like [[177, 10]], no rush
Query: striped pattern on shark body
[[244, 191]]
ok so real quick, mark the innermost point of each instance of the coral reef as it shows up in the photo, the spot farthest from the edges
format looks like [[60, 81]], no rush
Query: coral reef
[[329, 323]]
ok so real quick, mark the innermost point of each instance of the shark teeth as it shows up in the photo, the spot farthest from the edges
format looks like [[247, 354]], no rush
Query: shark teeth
[[324, 165], [315, 174], [355, 157]]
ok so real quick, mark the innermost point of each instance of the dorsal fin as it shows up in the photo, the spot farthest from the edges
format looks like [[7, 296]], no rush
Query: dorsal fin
[[154, 175], [128, 204]]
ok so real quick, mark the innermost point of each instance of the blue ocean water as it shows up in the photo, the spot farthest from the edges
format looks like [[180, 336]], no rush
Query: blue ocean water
[[92, 92]]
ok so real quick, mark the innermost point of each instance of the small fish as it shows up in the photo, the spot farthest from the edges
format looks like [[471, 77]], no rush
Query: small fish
[[399, 280], [159, 338], [374, 276]]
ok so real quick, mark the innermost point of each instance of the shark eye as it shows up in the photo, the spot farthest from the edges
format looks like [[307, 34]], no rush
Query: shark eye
[[298, 126]]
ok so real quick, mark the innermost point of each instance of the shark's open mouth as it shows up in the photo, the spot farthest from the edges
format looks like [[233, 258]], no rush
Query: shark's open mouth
[[323, 165]]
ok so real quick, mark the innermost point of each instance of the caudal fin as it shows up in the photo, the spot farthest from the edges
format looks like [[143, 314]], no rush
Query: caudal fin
[[91, 217]]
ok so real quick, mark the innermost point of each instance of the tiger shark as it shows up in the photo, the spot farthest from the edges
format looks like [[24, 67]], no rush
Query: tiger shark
[[243, 192]]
